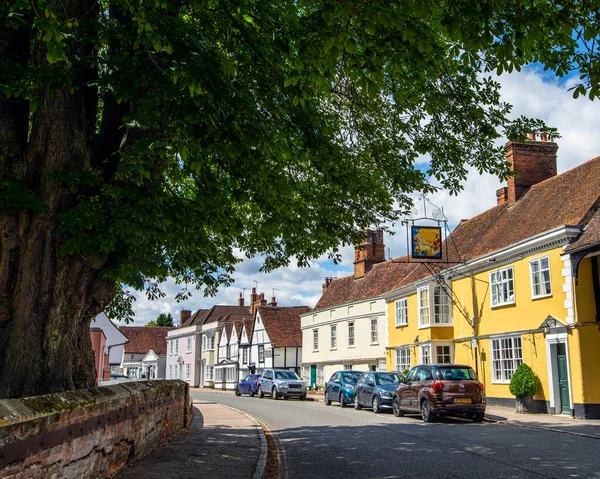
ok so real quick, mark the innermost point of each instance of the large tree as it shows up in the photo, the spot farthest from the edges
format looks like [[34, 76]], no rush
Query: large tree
[[141, 140], [162, 320]]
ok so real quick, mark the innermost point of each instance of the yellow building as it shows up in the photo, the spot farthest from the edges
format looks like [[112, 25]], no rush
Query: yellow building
[[525, 288]]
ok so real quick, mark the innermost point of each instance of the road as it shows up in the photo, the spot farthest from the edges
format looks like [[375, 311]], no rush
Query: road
[[330, 442]]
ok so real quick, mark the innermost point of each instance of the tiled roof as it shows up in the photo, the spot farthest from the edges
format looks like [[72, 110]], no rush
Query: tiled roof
[[591, 235], [216, 313], [282, 324], [249, 323], [145, 338], [571, 198], [382, 278], [566, 199]]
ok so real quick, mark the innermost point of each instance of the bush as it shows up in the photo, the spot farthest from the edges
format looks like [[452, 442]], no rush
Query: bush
[[211, 384], [524, 382]]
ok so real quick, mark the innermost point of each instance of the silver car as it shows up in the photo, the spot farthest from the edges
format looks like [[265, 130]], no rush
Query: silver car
[[281, 383]]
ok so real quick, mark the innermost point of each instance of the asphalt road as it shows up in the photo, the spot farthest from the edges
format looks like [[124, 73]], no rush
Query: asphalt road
[[330, 442]]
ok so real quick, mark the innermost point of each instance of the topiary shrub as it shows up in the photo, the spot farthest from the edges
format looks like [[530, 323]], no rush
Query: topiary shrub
[[524, 382]]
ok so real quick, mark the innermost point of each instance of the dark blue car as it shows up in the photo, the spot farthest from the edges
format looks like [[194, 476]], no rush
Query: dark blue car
[[375, 389], [340, 387], [248, 385]]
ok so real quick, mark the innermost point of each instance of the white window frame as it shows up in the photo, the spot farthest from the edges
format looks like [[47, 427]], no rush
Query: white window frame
[[505, 358], [189, 345], [315, 340], [536, 279], [244, 355], [425, 358], [424, 313], [402, 312], [204, 343], [176, 346], [374, 331], [351, 339], [261, 353], [188, 371], [442, 306], [171, 348], [334, 336], [170, 371], [498, 282], [402, 359]]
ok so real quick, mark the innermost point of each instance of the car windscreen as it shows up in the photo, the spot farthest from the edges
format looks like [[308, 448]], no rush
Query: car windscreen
[[454, 373], [387, 378], [351, 377], [286, 375]]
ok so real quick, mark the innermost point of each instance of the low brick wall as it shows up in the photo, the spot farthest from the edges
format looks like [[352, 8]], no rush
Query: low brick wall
[[90, 432]]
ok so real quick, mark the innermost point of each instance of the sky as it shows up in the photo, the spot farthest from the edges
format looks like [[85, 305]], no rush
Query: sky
[[532, 93]]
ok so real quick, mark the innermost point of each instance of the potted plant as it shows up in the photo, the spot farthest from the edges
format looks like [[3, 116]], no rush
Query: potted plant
[[523, 385]]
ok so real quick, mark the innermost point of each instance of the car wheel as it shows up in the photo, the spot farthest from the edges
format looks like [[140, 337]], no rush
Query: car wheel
[[303, 397], [327, 400], [357, 405], [398, 412], [237, 391], [261, 394], [274, 393], [376, 408], [426, 413], [251, 392], [478, 416], [341, 398]]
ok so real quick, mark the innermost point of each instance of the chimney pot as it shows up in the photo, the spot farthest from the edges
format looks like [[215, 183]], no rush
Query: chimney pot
[[241, 300], [502, 195], [532, 136], [544, 137]]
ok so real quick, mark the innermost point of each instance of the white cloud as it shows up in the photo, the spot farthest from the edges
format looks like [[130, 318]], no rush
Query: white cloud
[[529, 92]]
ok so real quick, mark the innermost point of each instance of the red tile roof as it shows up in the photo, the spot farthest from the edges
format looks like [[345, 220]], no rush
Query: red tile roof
[[216, 313], [145, 338], [571, 198], [591, 235], [282, 324]]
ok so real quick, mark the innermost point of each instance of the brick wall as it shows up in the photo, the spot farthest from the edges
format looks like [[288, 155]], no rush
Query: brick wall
[[91, 432]]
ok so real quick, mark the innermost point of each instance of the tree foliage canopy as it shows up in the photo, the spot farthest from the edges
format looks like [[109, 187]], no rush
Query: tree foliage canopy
[[162, 320], [198, 129]]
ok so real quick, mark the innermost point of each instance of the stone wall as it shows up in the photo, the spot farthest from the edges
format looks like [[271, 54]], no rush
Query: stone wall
[[92, 432]]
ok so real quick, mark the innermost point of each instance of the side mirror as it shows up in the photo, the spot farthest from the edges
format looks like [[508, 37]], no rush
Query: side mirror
[[337, 381]]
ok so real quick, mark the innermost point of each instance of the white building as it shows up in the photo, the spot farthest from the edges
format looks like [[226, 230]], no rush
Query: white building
[[115, 340], [348, 327], [277, 338], [144, 356]]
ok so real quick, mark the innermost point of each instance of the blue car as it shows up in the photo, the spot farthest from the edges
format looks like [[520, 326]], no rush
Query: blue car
[[340, 387], [376, 389], [248, 385]]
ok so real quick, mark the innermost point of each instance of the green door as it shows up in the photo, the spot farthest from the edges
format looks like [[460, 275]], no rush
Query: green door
[[563, 379], [313, 376]]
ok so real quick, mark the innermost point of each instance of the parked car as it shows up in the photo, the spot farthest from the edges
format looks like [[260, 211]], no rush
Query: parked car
[[248, 385], [281, 383], [340, 387], [440, 389], [376, 390]]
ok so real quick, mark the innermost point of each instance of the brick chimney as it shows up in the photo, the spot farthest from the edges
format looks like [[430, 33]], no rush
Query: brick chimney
[[273, 302], [262, 300], [326, 284], [184, 315], [371, 251], [532, 161], [241, 300], [502, 195]]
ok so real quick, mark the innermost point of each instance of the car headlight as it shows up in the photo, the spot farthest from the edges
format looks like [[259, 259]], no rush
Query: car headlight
[[283, 384], [386, 394], [349, 387]]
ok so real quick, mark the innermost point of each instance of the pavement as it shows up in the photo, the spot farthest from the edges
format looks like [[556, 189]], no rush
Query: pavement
[[222, 442], [226, 442]]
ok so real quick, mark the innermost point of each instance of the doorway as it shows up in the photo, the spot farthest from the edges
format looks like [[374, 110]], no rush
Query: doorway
[[563, 379], [313, 376]]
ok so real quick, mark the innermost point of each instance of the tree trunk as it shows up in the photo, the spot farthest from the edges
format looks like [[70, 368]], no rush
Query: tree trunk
[[47, 300]]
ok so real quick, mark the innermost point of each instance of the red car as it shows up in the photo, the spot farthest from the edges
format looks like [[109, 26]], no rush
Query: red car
[[440, 389]]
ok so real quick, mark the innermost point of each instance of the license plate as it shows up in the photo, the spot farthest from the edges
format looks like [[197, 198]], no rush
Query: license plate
[[463, 400]]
